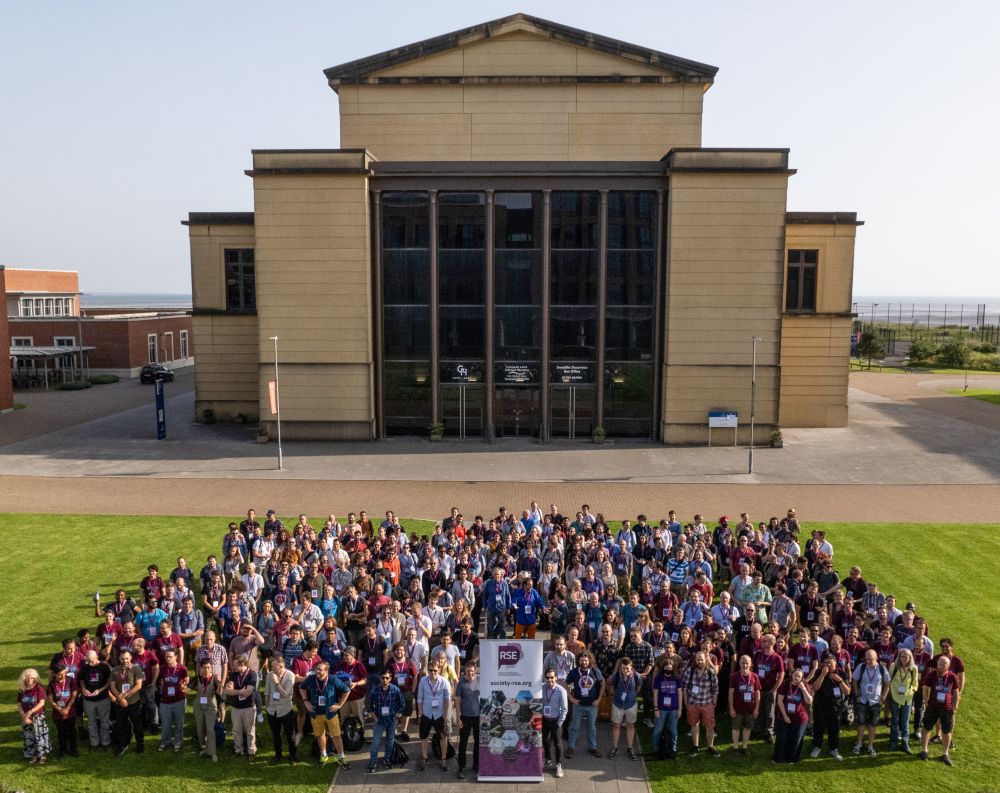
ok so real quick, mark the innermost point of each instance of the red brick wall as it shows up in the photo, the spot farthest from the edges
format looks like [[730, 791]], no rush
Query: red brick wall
[[120, 343], [6, 385]]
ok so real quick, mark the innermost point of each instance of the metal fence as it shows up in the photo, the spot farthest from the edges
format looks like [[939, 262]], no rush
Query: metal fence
[[929, 315]]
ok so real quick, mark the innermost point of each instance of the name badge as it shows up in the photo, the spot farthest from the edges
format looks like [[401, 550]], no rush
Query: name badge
[[461, 654], [436, 703], [666, 612], [203, 700], [623, 697], [385, 710], [901, 689], [527, 609], [869, 689], [941, 696], [836, 692], [171, 691], [275, 695], [810, 616], [673, 637], [585, 689], [657, 652], [695, 689], [748, 696], [371, 660], [315, 593], [593, 625], [125, 688], [321, 701], [547, 711], [400, 680]]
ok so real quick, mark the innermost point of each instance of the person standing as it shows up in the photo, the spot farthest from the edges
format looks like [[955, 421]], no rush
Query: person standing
[[279, 688], [495, 595], [95, 677], [667, 706], [433, 700], [942, 694], [207, 706], [624, 683], [701, 692], [467, 716], [527, 605], [325, 696], [904, 678], [554, 710], [127, 682], [62, 693], [792, 704], [744, 703], [385, 704], [585, 685], [34, 728], [173, 684], [240, 688], [871, 687], [830, 690], [771, 671]]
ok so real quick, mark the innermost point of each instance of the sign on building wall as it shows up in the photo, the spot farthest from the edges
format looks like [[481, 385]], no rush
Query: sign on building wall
[[516, 373], [572, 373], [461, 372], [510, 704], [723, 418]]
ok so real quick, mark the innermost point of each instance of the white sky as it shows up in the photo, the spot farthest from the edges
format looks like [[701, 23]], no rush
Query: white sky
[[119, 118]]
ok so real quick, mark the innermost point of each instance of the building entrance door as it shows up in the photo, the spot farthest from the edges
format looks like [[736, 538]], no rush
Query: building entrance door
[[517, 411], [462, 410], [572, 411]]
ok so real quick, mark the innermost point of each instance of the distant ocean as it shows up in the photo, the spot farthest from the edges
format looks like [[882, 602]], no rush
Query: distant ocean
[[135, 300], [928, 310]]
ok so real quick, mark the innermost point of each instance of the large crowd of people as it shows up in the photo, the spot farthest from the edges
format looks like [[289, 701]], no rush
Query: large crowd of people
[[330, 631]]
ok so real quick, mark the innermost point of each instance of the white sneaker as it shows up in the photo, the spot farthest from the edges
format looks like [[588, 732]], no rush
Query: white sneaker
[[559, 771], [260, 718], [836, 755], [815, 752], [297, 737]]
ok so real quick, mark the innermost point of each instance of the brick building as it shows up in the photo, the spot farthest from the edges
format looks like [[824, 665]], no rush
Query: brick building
[[6, 386]]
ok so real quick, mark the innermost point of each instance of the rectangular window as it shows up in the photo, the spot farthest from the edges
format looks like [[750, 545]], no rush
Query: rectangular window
[[22, 341], [184, 343], [26, 307], [65, 361], [151, 347], [168, 344], [800, 289], [241, 290]]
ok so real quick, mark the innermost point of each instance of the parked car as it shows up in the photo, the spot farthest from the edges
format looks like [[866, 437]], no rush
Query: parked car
[[154, 372]]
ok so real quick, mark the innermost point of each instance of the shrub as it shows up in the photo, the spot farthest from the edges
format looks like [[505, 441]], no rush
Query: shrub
[[102, 379], [208, 416], [955, 354], [74, 385], [987, 347], [921, 349], [871, 345]]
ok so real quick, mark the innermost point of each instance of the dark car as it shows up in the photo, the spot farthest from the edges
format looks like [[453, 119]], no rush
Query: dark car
[[154, 372]]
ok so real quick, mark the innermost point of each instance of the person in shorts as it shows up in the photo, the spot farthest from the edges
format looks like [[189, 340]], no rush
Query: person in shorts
[[325, 696], [625, 684], [744, 703], [942, 693], [433, 703], [871, 688]]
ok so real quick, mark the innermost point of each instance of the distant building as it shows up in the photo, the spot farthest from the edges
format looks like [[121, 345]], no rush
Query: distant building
[[523, 236], [49, 337], [6, 384]]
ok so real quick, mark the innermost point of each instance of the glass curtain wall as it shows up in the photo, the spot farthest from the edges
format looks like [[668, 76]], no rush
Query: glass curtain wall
[[406, 375], [629, 322], [462, 307]]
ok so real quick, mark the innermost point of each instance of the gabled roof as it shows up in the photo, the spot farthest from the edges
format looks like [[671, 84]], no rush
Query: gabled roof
[[363, 69]]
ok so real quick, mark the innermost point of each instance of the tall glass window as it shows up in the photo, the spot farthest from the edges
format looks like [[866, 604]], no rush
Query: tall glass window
[[517, 277], [574, 235], [631, 300], [406, 375], [461, 278]]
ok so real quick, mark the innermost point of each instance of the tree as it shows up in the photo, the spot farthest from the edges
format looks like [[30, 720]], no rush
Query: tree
[[955, 354], [871, 344]]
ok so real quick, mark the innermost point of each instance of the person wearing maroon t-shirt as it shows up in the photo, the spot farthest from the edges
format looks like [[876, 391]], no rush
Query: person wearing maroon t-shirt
[[62, 693], [108, 631], [744, 703], [404, 677], [922, 658], [794, 697], [942, 695], [173, 685], [34, 728], [147, 661], [303, 667], [167, 640], [770, 669], [152, 585], [69, 659], [750, 645], [810, 605], [804, 656], [957, 667]]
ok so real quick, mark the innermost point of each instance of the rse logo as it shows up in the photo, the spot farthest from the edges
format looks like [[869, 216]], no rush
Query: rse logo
[[508, 655]]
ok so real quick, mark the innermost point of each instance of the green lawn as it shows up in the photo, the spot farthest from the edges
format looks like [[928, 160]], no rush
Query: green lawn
[[982, 394], [74, 555]]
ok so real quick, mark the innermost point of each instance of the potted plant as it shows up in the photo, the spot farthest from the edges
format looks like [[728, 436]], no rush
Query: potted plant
[[436, 431], [263, 436], [599, 435], [776, 440]]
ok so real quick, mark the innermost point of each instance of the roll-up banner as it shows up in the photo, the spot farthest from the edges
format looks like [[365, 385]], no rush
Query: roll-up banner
[[510, 704]]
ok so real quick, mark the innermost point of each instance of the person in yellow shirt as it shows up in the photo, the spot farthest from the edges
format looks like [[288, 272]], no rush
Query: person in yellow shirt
[[904, 677]]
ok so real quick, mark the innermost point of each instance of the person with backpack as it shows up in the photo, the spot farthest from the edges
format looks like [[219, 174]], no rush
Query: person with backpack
[[384, 704], [325, 696]]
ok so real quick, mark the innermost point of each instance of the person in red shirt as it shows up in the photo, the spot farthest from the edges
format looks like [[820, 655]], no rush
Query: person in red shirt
[[794, 697], [404, 677], [173, 694], [108, 631], [770, 669], [152, 585], [34, 728], [149, 663], [62, 693], [167, 640], [69, 659], [803, 656], [942, 695], [353, 668], [303, 667], [744, 703]]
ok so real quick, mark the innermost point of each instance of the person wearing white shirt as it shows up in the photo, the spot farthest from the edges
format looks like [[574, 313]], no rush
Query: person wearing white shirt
[[422, 624], [254, 582]]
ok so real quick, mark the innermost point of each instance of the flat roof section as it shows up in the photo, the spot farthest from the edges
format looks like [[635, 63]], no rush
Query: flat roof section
[[824, 218], [218, 219]]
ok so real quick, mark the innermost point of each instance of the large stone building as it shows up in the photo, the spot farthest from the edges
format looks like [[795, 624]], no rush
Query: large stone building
[[521, 234]]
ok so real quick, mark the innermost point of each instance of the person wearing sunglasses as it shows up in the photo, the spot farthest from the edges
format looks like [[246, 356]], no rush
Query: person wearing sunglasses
[[385, 704]]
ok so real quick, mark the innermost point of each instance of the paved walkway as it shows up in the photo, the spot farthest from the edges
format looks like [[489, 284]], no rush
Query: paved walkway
[[583, 774]]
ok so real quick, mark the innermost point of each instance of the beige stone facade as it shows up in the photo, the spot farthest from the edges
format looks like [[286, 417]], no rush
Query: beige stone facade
[[525, 108]]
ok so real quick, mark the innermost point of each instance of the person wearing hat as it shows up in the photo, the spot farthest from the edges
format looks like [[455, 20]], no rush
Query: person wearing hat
[[527, 605]]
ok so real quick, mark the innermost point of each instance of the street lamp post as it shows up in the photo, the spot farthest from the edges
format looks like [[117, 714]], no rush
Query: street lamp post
[[753, 398], [277, 402]]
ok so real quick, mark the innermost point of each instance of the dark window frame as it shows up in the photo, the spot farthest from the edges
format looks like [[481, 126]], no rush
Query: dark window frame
[[241, 296], [800, 297]]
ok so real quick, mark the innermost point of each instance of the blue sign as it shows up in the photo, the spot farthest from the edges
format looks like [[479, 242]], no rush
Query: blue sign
[[723, 418], [161, 411]]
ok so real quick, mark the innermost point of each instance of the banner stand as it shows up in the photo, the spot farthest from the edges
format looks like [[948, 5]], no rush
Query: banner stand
[[510, 710]]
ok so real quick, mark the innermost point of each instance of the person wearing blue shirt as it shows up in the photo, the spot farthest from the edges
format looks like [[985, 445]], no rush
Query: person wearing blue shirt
[[385, 704], [527, 605], [497, 602], [148, 622], [324, 696]]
